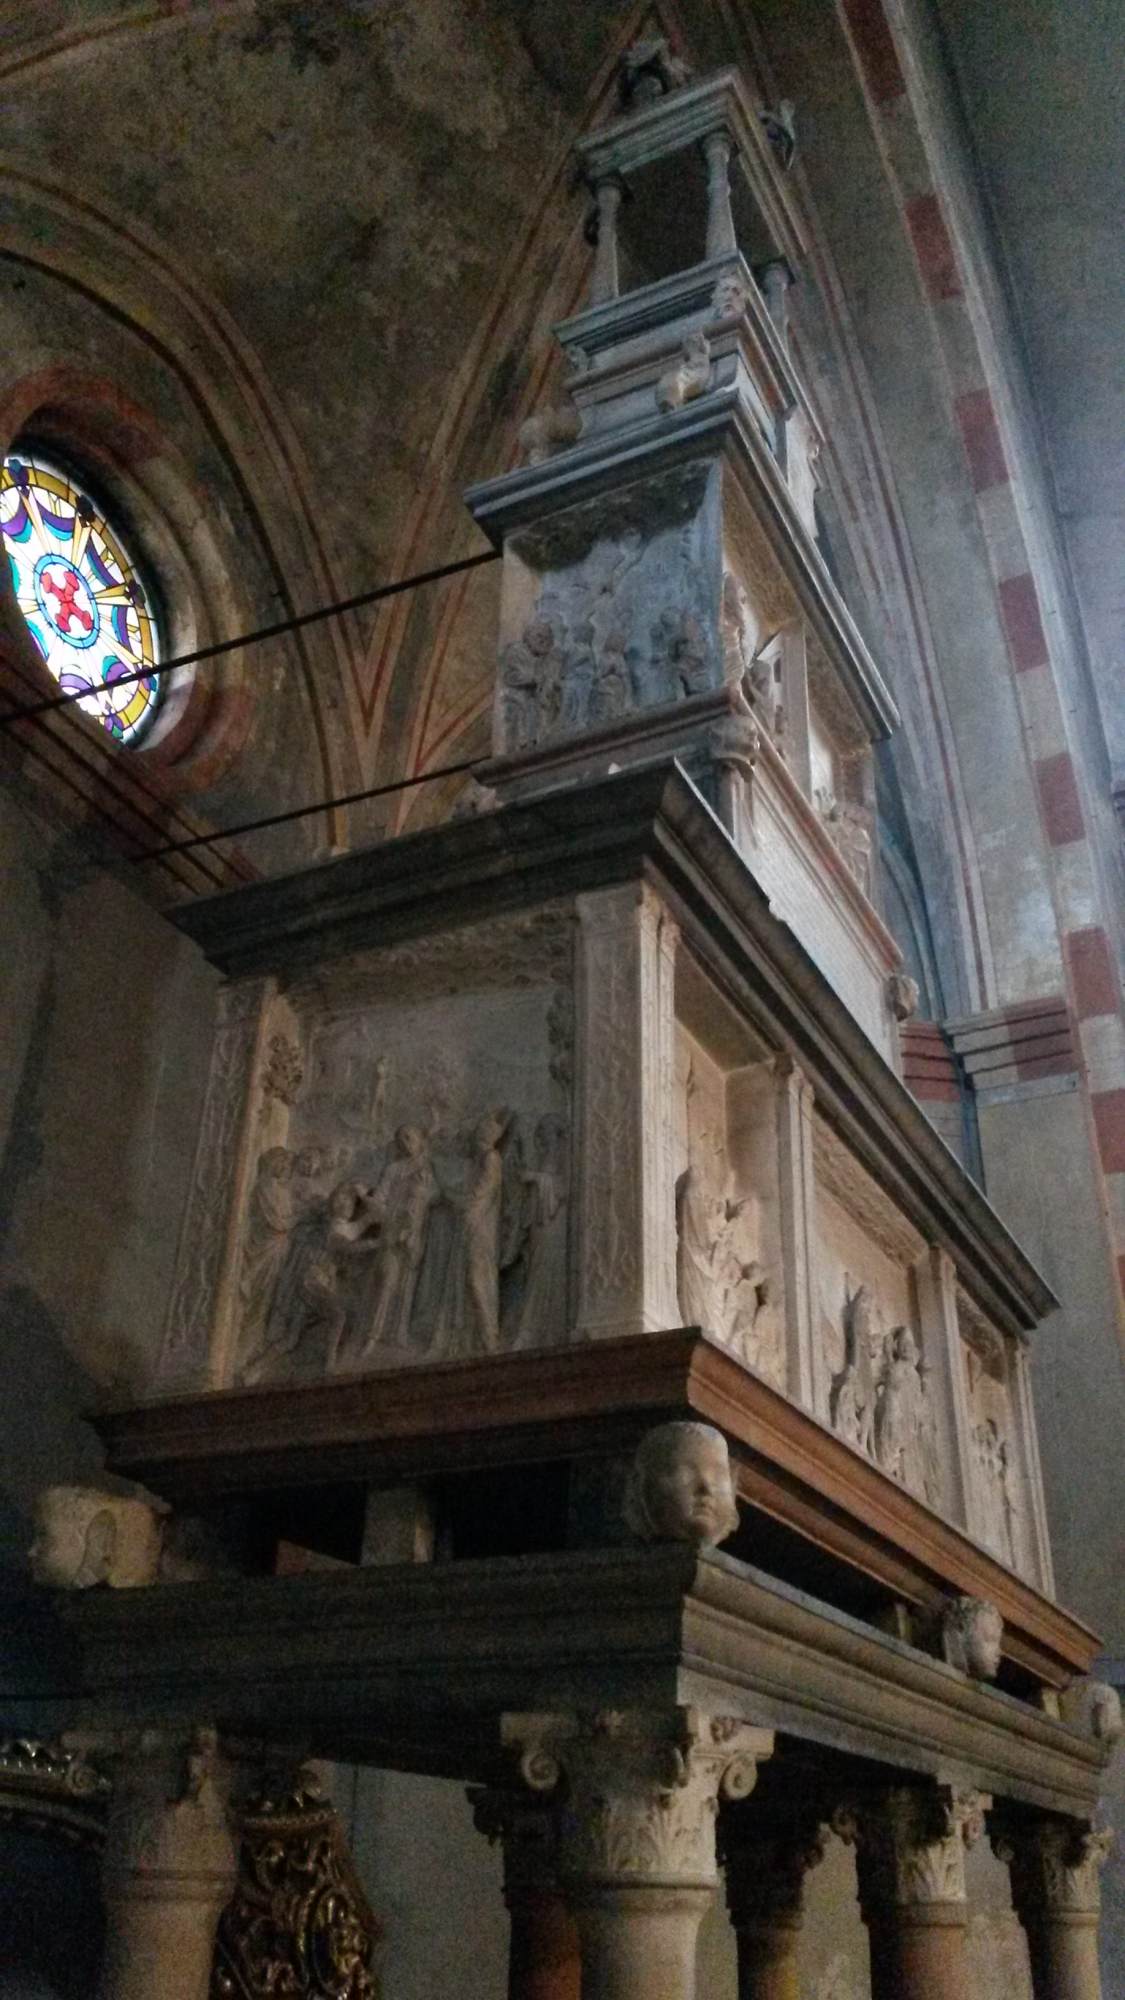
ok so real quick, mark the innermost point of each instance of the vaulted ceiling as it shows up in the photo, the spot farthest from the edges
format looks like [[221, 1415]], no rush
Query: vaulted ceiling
[[322, 242]]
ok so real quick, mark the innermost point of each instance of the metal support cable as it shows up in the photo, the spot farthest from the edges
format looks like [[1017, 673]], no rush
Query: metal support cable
[[31, 710], [303, 812]]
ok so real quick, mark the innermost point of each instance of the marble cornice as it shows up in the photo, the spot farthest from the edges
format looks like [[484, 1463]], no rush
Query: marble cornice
[[414, 1666], [647, 823]]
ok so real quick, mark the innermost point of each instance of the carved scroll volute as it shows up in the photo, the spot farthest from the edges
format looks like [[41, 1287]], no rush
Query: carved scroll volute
[[638, 1794]]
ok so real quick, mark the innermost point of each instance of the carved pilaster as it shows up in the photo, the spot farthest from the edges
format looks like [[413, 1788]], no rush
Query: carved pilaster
[[1055, 1867], [626, 1238], [808, 1378], [936, 1283], [543, 1958], [298, 1921], [639, 1797], [766, 1858], [169, 1864], [197, 1328], [910, 1852]]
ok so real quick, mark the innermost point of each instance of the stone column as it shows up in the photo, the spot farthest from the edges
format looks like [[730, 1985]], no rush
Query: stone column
[[765, 1859], [910, 1851], [169, 1866], [602, 229], [626, 1199], [639, 1796], [543, 1955], [1055, 1864], [721, 239]]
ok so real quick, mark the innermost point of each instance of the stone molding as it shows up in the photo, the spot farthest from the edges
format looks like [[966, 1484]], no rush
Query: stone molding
[[641, 1791], [492, 1637]]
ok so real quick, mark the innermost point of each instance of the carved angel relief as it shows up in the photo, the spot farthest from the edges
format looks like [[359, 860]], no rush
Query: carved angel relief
[[879, 1401]]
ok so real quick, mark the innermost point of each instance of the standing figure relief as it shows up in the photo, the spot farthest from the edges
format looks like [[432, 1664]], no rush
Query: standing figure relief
[[879, 1402], [591, 652], [449, 1248]]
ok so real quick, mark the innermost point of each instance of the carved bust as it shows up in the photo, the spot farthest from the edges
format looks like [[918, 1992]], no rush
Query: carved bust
[[680, 1487], [972, 1637], [1095, 1707], [84, 1537]]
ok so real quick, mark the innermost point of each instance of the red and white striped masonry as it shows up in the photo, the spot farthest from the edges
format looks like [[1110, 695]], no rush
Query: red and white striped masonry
[[1093, 994]]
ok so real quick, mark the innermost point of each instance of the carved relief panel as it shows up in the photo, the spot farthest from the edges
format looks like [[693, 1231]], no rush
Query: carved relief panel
[[408, 1189], [877, 1372], [729, 1264], [610, 608], [1005, 1496]]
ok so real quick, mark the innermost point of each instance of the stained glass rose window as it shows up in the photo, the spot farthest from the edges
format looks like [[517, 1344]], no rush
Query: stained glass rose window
[[79, 589]]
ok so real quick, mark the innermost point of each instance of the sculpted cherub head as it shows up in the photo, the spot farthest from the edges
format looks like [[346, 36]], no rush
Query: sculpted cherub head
[[680, 1487], [84, 1537], [972, 1637]]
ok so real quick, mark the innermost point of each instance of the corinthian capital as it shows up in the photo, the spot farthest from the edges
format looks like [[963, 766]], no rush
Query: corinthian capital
[[639, 1793], [1055, 1866], [910, 1844]]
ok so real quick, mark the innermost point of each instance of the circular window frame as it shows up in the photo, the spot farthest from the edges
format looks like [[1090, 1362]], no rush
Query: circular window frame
[[97, 435], [122, 530]]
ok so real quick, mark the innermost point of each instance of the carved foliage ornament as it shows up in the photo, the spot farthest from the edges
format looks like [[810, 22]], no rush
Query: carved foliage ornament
[[910, 1844], [1055, 1866], [298, 1922], [639, 1794]]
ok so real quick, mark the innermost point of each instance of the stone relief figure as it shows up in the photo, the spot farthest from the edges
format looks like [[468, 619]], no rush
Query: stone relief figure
[[544, 1226], [577, 680], [848, 829], [878, 1401], [994, 1470], [285, 1190], [901, 1415], [855, 1388], [972, 1637], [753, 1324], [400, 1207], [679, 663], [680, 1487], [612, 692], [309, 1314], [702, 1241], [469, 1314]]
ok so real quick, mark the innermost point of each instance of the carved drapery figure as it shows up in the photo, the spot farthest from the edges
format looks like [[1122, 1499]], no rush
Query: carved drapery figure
[[278, 1199], [544, 1228], [400, 1206], [310, 1312], [901, 1417], [995, 1486], [855, 1388], [469, 1314]]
